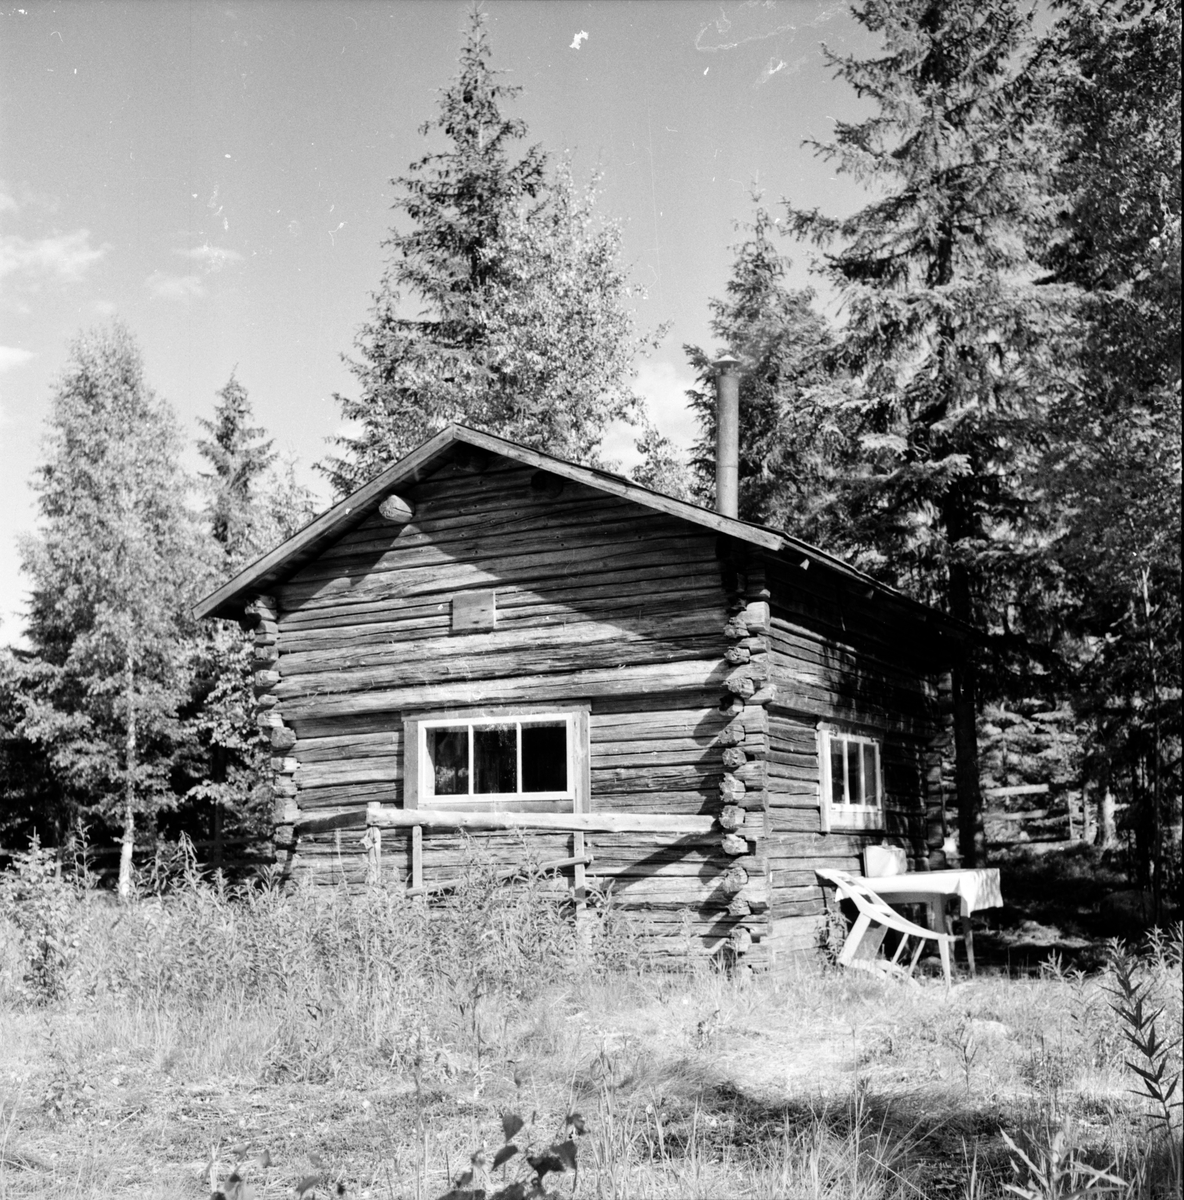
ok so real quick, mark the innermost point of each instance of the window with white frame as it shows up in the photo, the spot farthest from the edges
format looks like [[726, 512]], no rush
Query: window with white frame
[[497, 757], [851, 779]]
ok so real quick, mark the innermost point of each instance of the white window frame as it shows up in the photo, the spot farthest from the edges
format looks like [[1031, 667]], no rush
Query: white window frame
[[844, 815], [418, 789]]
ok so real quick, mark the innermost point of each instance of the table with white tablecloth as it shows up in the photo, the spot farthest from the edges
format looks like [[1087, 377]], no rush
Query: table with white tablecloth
[[974, 888]]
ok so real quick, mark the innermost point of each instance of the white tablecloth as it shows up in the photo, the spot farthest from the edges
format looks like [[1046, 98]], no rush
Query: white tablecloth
[[975, 888]]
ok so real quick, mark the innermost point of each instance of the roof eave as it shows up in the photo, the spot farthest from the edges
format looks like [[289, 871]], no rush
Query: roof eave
[[232, 597]]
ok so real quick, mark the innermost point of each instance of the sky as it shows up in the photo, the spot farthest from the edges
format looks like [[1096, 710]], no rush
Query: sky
[[218, 177]]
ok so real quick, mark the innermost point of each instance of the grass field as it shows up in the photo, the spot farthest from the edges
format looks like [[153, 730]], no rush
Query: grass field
[[324, 1044]]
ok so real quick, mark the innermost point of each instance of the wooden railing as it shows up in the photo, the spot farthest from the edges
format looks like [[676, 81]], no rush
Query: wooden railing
[[379, 817]]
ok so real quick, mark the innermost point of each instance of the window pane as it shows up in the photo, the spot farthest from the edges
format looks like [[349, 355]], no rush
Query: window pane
[[871, 788], [448, 754], [837, 793], [495, 755], [544, 757], [854, 791]]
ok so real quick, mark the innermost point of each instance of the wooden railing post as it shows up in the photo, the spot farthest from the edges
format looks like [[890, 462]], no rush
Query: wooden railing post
[[373, 843], [417, 858]]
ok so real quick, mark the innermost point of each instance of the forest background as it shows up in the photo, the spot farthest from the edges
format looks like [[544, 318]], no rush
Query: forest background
[[991, 422]]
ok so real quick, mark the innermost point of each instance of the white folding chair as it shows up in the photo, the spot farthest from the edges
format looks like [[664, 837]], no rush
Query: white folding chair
[[874, 917]]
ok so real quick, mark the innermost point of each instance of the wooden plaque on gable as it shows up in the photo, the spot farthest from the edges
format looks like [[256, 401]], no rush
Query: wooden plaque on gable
[[474, 612]]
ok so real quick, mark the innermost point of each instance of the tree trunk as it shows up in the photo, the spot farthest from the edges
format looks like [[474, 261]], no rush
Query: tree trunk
[[1087, 823], [1154, 789], [129, 787], [966, 761], [1107, 825], [971, 839]]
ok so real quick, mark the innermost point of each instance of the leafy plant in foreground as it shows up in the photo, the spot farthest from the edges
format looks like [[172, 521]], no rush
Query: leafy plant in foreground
[[558, 1158], [41, 907], [1132, 1000], [1055, 1172]]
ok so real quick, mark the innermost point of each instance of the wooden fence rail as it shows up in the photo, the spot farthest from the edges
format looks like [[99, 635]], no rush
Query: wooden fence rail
[[415, 820]]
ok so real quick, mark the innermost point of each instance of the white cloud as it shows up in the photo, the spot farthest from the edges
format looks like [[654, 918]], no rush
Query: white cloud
[[11, 356], [211, 258], [207, 259], [8, 203], [64, 257], [174, 287], [662, 387]]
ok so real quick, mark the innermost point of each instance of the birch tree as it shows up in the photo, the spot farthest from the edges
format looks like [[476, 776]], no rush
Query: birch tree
[[112, 567]]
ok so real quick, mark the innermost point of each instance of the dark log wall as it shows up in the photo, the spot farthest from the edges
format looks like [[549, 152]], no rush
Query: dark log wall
[[598, 601], [836, 657]]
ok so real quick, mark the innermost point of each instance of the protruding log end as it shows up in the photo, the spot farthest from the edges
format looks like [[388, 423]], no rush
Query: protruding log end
[[283, 739], [266, 680], [262, 608], [396, 510], [739, 941]]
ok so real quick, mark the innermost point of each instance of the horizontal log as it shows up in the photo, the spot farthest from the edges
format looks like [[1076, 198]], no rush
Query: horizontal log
[[683, 725], [1026, 789], [554, 864], [566, 822], [348, 770], [347, 796], [525, 551], [495, 666], [685, 752], [358, 583], [505, 553], [660, 679], [813, 650], [634, 630], [385, 743], [828, 606], [655, 587], [640, 779]]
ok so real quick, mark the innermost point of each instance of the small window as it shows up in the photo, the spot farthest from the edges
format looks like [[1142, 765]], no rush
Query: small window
[[529, 756], [851, 780]]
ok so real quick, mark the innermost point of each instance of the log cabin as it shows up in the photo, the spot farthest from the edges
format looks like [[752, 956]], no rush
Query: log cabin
[[692, 710]]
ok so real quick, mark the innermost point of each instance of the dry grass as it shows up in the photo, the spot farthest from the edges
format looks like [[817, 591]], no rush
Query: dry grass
[[367, 1042]]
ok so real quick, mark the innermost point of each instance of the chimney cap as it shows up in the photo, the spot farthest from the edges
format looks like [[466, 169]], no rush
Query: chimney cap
[[726, 362]]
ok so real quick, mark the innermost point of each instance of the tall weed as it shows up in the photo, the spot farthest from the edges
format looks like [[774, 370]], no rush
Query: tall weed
[[42, 910]]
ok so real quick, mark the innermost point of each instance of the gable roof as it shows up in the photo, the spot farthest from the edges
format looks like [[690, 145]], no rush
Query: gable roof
[[302, 547]]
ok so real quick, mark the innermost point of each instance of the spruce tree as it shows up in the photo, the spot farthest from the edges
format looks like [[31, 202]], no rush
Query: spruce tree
[[113, 578], [782, 345], [228, 760], [239, 456], [953, 345], [502, 305], [1114, 483]]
